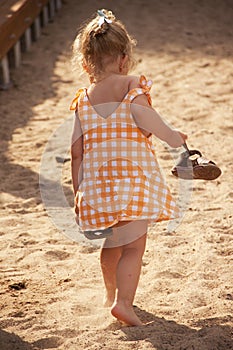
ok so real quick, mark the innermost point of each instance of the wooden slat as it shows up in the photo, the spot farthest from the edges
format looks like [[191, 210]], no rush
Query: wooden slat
[[5, 71], [17, 54], [45, 15], [52, 8], [37, 30], [58, 4], [15, 18]]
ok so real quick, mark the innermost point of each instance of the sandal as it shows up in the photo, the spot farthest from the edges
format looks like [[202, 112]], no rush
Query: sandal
[[98, 234], [198, 168]]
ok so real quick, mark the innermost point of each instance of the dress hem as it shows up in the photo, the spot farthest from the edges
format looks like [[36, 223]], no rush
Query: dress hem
[[130, 219]]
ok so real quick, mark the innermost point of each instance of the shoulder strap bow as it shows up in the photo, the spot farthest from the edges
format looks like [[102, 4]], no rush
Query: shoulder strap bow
[[74, 102], [146, 86]]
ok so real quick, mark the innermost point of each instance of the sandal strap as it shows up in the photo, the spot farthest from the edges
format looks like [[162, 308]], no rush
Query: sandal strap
[[191, 152], [203, 161]]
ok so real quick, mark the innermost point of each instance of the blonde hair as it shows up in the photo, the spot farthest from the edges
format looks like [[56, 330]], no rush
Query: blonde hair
[[99, 39]]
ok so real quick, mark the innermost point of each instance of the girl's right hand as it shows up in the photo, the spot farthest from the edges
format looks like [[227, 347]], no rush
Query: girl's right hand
[[176, 139], [184, 136]]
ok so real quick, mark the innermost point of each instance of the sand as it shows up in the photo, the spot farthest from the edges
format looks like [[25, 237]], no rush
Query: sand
[[51, 286]]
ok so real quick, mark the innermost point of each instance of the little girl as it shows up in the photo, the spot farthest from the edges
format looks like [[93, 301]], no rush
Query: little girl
[[117, 183]]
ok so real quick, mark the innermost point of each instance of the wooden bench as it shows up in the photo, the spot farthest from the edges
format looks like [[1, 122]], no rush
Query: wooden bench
[[21, 19]]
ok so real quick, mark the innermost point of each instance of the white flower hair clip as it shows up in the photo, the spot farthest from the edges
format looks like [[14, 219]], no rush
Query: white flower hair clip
[[103, 18]]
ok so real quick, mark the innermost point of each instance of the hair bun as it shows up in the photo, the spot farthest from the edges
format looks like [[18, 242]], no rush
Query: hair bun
[[109, 15], [104, 18]]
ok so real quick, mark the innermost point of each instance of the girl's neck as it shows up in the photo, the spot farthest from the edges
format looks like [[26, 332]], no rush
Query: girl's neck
[[110, 71], [118, 66], [100, 77]]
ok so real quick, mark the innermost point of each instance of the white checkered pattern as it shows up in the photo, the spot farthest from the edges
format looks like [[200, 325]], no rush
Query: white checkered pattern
[[121, 179]]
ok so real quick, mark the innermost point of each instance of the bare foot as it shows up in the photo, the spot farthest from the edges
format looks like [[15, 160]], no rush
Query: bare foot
[[125, 313], [109, 299]]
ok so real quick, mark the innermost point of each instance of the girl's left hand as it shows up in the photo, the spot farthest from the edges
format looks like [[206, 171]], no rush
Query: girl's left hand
[[76, 209]]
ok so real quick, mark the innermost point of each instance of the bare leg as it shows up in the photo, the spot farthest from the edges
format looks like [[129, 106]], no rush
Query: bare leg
[[127, 277], [109, 258]]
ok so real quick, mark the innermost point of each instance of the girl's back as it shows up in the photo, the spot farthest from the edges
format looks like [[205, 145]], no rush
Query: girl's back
[[106, 94]]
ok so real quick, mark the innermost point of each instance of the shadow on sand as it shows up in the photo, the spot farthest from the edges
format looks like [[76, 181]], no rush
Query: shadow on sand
[[208, 334], [11, 341]]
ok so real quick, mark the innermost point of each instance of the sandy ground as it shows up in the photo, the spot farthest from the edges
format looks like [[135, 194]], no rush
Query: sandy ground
[[51, 286]]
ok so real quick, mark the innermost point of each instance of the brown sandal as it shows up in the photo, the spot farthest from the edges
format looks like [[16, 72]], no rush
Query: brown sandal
[[198, 168]]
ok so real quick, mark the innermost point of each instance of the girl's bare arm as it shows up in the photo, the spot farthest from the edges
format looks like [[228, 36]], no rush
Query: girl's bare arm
[[76, 155], [149, 120]]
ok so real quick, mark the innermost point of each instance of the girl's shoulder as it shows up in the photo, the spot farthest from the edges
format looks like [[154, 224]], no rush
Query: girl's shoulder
[[134, 81], [138, 81], [140, 85], [131, 82]]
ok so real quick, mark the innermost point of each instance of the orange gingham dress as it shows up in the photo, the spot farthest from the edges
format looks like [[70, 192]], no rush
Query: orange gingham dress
[[121, 177]]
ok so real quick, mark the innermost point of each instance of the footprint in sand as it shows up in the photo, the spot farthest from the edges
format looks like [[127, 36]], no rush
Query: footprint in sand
[[225, 251], [48, 343], [81, 310], [88, 249], [67, 333], [230, 195], [169, 274], [57, 255]]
